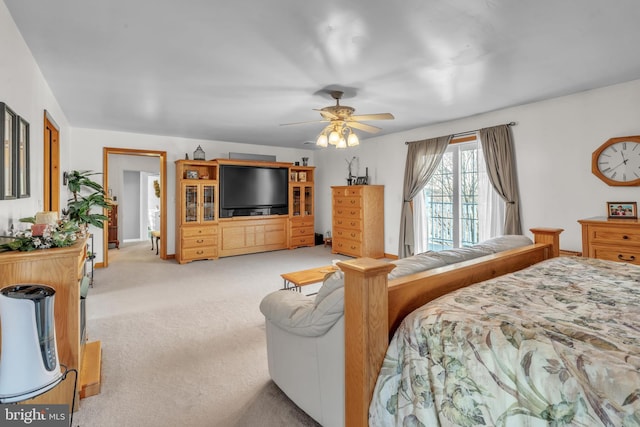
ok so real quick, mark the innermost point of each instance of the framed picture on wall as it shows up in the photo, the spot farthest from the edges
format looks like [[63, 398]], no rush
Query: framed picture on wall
[[8, 175], [22, 154], [622, 210]]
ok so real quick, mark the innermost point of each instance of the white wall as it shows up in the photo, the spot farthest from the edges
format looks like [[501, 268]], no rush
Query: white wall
[[25, 91], [553, 140]]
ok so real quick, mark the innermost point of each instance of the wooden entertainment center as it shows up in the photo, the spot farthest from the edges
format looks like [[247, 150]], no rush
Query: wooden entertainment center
[[202, 234]]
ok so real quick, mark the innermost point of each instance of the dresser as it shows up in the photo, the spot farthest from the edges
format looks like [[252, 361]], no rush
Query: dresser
[[611, 239], [113, 225], [358, 220]]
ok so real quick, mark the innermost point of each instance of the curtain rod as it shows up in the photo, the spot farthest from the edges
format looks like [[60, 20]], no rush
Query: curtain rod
[[469, 132]]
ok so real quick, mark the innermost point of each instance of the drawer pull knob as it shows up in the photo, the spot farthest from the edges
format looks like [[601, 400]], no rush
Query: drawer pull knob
[[199, 240], [625, 237], [353, 202], [630, 259]]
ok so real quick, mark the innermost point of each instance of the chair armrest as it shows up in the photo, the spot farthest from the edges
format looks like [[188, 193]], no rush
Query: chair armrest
[[299, 315]]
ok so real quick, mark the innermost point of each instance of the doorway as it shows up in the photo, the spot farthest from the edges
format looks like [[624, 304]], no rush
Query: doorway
[[162, 158], [51, 196]]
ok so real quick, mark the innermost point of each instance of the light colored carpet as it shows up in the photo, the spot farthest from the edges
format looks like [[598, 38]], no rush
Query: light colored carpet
[[184, 345]]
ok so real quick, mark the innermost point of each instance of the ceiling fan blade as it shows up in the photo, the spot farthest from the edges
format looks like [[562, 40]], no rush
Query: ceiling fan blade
[[363, 126], [365, 117], [303, 123]]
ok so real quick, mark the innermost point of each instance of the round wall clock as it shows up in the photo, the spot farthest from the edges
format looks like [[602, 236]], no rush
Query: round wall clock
[[617, 161]]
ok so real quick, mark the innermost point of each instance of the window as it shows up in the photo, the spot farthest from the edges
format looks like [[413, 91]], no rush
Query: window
[[451, 199], [458, 207]]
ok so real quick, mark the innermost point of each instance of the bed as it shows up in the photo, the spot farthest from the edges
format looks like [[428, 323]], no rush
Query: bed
[[556, 343], [557, 350]]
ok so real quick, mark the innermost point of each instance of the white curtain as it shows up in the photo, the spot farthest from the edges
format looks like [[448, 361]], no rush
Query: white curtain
[[420, 224], [491, 207]]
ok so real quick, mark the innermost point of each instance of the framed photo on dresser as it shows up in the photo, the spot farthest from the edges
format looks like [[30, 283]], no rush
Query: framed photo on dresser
[[622, 210]]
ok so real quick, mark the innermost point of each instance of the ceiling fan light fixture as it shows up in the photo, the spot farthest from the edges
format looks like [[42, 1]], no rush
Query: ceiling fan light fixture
[[340, 123], [352, 140], [334, 137], [322, 140]]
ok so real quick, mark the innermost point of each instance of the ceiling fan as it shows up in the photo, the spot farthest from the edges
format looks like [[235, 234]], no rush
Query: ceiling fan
[[341, 120]]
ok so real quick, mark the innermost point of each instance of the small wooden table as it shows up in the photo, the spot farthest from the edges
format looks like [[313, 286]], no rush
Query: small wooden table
[[155, 235], [297, 279]]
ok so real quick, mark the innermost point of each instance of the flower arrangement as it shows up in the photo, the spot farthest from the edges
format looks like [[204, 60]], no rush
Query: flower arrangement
[[60, 234]]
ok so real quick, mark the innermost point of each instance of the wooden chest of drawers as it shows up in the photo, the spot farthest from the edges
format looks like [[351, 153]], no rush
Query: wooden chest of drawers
[[198, 242], [611, 239], [358, 220], [302, 232]]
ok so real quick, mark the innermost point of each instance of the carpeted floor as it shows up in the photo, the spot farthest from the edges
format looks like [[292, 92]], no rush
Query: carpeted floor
[[184, 345]]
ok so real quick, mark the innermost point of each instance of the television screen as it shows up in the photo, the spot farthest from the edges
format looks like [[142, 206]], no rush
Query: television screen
[[246, 187]]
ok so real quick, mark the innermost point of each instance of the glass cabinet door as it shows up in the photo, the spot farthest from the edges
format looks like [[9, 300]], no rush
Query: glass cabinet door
[[296, 200], [190, 208], [308, 200], [209, 206]]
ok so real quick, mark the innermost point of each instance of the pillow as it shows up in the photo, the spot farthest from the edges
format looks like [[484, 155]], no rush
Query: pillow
[[503, 243]]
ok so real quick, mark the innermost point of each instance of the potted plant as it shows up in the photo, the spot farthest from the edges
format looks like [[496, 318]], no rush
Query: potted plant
[[86, 195]]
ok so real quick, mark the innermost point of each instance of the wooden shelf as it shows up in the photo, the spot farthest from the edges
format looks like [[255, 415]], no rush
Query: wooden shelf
[[91, 371]]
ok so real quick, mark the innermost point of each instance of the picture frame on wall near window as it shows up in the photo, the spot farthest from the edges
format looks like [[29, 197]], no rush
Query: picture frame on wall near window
[[8, 157], [622, 210], [22, 154]]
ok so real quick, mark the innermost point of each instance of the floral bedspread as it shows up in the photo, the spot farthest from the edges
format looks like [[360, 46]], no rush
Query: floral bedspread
[[555, 344]]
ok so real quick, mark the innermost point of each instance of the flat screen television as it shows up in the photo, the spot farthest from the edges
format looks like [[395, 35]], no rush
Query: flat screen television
[[253, 190]]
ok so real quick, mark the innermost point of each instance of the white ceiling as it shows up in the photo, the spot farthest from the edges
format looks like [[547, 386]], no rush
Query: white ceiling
[[235, 70]]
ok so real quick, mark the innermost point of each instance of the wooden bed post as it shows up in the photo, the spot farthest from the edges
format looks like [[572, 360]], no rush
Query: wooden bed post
[[366, 333], [548, 235]]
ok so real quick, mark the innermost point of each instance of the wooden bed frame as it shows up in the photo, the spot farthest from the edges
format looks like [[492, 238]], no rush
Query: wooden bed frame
[[374, 307]]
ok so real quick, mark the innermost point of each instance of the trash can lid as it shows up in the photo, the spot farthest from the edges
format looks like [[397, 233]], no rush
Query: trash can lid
[[28, 291]]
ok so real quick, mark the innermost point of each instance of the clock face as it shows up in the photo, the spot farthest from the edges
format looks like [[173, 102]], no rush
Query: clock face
[[617, 162]]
